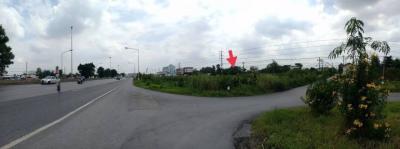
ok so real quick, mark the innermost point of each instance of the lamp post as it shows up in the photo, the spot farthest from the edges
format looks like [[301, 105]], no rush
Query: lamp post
[[72, 70], [138, 65], [62, 61]]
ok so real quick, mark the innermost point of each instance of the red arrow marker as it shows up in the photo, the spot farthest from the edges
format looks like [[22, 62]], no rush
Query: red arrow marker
[[231, 59]]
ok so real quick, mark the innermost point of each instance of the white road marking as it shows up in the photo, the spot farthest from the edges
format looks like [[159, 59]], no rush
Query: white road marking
[[26, 137]]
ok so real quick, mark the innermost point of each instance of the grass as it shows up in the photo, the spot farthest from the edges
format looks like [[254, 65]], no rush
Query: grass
[[298, 128], [217, 85], [393, 86]]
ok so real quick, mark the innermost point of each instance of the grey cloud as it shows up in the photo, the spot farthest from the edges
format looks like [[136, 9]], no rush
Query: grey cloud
[[253, 44], [81, 14], [355, 4], [275, 28]]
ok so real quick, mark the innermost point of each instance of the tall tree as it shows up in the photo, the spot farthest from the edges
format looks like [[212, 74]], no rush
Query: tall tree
[[6, 56], [114, 73], [299, 65], [360, 89], [100, 72], [39, 72], [86, 70]]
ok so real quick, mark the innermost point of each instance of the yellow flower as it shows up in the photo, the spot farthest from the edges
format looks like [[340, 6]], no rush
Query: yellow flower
[[357, 123], [376, 126], [349, 107], [363, 106], [348, 131], [363, 98], [371, 85]]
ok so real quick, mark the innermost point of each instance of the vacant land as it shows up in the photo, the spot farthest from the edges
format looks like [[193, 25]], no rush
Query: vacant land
[[298, 128], [229, 85]]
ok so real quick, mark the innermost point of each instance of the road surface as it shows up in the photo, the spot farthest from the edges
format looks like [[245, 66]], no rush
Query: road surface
[[130, 117], [13, 92]]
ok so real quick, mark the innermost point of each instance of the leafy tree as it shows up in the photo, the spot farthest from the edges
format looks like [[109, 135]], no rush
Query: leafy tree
[[219, 69], [233, 70], [86, 70], [100, 72], [107, 73], [362, 97], [46, 73], [253, 69], [210, 70], [39, 72], [6, 56], [114, 73], [299, 65]]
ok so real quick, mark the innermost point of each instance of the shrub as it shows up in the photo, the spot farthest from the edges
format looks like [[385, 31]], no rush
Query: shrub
[[321, 96], [362, 102]]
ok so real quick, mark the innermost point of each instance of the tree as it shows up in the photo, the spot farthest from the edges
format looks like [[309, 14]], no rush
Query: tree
[[114, 73], [107, 73], [208, 70], [39, 72], [219, 69], [86, 70], [362, 97], [46, 73], [100, 72], [6, 56], [253, 68], [299, 65]]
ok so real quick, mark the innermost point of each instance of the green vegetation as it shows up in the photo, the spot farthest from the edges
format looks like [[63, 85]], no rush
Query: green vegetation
[[299, 128], [241, 84], [321, 96], [362, 97], [6, 56], [393, 86]]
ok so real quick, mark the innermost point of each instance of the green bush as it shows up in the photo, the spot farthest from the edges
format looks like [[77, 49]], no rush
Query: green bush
[[321, 96]]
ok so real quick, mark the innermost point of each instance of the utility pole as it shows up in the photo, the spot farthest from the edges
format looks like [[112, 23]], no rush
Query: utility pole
[[221, 59], [72, 70], [26, 69]]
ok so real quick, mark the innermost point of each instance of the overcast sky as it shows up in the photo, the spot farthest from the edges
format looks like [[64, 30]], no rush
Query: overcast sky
[[189, 32]]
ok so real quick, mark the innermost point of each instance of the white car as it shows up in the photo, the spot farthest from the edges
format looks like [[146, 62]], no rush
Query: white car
[[49, 80]]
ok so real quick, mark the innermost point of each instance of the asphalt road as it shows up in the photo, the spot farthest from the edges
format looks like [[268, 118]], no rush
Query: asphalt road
[[13, 92], [130, 117]]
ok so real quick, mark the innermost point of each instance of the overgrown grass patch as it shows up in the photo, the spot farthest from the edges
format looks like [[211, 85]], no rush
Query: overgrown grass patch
[[298, 128], [245, 84], [393, 86]]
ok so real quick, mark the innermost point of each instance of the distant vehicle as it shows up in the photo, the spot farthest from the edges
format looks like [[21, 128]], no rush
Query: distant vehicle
[[81, 80], [49, 80], [118, 78]]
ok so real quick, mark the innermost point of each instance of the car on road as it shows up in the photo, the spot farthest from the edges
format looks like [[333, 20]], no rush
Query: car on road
[[50, 80], [81, 80]]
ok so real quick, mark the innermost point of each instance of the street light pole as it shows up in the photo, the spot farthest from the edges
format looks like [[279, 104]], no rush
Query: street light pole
[[72, 71], [62, 61], [137, 57]]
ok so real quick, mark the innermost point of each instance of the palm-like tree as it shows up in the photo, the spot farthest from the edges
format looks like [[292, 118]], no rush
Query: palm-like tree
[[356, 42]]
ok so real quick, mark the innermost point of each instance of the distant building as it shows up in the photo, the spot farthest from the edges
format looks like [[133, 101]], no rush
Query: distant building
[[169, 70], [184, 71]]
